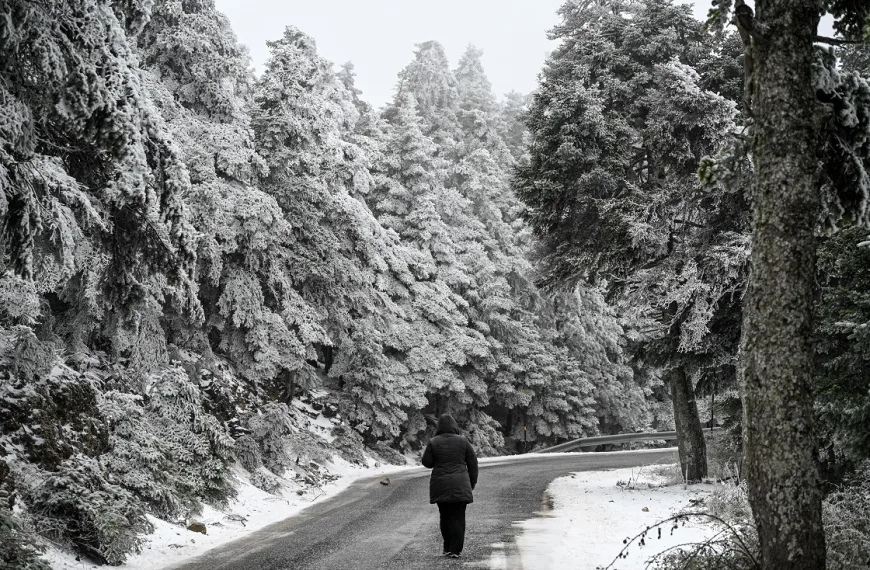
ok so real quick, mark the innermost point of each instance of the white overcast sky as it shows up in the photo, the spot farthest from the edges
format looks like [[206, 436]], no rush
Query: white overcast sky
[[378, 36]]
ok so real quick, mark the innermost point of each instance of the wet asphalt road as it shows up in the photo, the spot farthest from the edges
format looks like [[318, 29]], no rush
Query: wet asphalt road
[[370, 526]]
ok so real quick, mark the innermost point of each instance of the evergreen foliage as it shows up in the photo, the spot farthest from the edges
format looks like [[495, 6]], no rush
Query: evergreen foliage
[[168, 449], [100, 206], [841, 384], [618, 130], [78, 503], [18, 547]]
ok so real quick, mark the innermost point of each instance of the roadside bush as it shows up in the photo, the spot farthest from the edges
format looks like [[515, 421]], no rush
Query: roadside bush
[[669, 474], [388, 454], [724, 456], [847, 524], [50, 411], [76, 504], [733, 547], [307, 447], [200, 447], [19, 301], [269, 428], [18, 549], [167, 449], [248, 453], [265, 481], [718, 555], [731, 503], [483, 432], [349, 444]]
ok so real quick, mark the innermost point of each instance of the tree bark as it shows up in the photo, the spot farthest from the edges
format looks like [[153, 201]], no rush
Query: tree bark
[[690, 434], [776, 362]]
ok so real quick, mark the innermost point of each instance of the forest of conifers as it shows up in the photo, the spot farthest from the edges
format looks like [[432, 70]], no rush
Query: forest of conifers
[[188, 248]]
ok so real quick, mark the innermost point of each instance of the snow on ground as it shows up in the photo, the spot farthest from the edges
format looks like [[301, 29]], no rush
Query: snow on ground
[[591, 516]]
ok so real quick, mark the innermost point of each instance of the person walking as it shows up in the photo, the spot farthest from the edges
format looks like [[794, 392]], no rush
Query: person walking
[[454, 476]]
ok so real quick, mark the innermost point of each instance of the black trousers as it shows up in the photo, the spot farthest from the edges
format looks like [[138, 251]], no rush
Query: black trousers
[[453, 526]]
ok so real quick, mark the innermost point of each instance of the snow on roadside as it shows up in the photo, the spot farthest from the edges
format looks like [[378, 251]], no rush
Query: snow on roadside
[[253, 509], [592, 515]]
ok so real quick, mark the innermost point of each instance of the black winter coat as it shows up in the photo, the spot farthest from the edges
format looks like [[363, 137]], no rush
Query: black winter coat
[[453, 464]]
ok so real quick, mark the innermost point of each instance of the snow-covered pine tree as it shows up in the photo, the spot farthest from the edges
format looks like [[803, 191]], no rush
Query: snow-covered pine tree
[[470, 212], [200, 79], [101, 205], [841, 388], [344, 263], [593, 335], [410, 200], [841, 311], [255, 320], [521, 333], [434, 88], [512, 126]]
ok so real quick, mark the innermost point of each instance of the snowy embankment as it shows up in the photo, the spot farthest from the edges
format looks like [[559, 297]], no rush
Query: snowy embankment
[[589, 515], [253, 508]]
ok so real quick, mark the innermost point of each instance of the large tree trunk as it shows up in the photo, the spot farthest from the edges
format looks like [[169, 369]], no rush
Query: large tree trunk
[[779, 441], [690, 434]]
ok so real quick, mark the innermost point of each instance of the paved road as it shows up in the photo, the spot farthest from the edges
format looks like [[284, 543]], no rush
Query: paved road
[[370, 526]]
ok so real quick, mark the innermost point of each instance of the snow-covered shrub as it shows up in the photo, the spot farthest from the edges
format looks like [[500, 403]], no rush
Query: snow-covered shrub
[[51, 412], [77, 504], [19, 303], [725, 455], [731, 552], [202, 451], [389, 454], [141, 341], [29, 358], [306, 447], [846, 516], [731, 503], [735, 548], [250, 457], [276, 443], [265, 481], [138, 459], [269, 427], [167, 448], [248, 453], [349, 444], [483, 432], [18, 549]]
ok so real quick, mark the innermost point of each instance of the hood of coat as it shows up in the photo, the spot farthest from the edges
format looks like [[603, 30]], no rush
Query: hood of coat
[[446, 424]]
